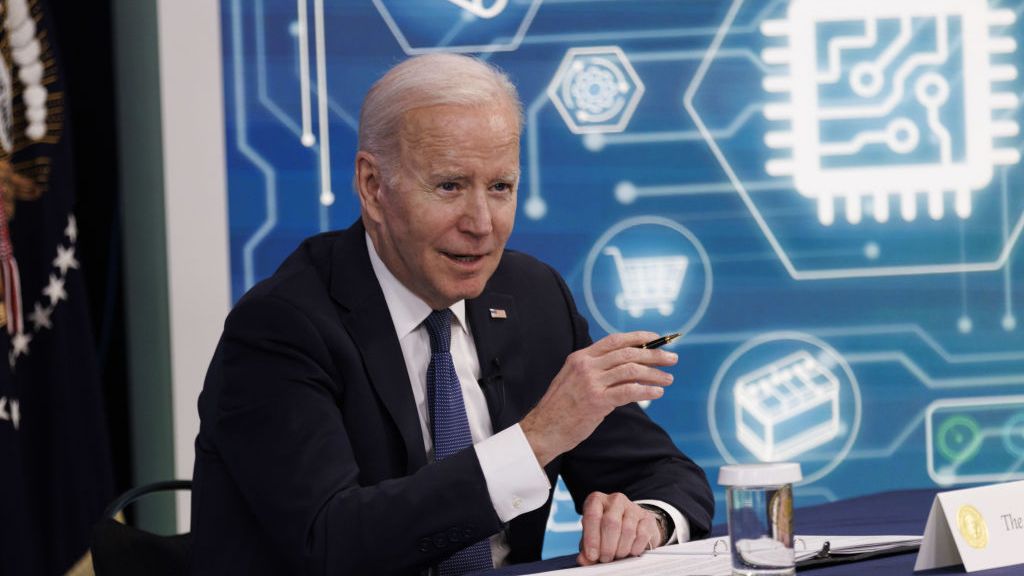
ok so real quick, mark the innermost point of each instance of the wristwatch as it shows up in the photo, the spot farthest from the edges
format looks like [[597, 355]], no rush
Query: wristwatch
[[665, 524]]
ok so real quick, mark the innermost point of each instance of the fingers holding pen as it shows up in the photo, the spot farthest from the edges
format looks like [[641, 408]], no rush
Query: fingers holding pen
[[637, 365], [639, 377], [594, 381], [617, 359], [620, 340], [631, 365], [632, 373], [646, 356]]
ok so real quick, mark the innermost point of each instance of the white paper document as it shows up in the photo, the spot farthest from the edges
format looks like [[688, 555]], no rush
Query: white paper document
[[711, 557], [656, 565]]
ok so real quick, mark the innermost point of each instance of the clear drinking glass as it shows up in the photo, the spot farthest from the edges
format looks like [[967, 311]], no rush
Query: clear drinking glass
[[759, 498]]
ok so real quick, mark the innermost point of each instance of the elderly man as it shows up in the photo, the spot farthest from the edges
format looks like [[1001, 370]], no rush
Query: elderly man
[[400, 396]]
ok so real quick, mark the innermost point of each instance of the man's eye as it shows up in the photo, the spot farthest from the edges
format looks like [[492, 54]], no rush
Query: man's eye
[[503, 187], [449, 186]]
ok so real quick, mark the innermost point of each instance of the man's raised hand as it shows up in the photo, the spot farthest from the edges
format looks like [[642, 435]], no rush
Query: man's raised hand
[[593, 382]]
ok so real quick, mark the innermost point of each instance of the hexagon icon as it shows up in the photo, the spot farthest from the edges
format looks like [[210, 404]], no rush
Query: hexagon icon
[[422, 26], [596, 89]]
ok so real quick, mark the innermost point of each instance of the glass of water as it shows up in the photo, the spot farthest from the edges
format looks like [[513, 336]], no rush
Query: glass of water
[[759, 499]]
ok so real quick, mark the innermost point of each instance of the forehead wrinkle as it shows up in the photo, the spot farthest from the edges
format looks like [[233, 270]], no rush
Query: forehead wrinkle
[[446, 144], [438, 145], [424, 141], [420, 125], [435, 159]]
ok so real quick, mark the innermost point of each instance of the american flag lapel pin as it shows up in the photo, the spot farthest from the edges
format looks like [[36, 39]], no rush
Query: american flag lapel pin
[[499, 313]]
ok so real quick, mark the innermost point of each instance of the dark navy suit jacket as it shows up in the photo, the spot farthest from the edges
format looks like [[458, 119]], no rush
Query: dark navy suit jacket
[[310, 458]]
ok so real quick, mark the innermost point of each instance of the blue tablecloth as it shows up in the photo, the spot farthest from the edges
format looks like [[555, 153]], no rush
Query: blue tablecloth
[[899, 512]]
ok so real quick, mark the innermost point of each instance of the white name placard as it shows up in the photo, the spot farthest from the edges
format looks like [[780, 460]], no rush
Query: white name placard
[[980, 528]]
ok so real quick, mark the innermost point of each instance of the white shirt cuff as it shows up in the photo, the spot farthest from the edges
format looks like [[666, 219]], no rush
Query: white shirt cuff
[[516, 482], [681, 532]]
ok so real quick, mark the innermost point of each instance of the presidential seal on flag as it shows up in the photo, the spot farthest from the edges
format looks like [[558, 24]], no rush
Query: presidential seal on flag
[[26, 103], [53, 439]]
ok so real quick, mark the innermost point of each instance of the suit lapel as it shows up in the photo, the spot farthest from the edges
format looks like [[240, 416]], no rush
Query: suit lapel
[[354, 286], [496, 337]]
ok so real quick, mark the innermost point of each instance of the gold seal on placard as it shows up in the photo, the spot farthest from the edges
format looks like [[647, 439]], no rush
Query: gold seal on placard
[[972, 526]]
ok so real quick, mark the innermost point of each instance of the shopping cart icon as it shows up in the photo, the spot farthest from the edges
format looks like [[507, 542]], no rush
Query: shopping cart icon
[[648, 283], [481, 8]]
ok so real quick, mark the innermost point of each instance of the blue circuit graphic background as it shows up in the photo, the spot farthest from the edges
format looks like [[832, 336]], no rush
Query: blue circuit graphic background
[[657, 177]]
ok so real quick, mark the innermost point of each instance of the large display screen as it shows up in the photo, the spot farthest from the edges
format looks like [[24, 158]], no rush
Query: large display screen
[[824, 197]]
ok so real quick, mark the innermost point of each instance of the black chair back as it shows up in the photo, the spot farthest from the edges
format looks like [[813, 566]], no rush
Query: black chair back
[[120, 550]]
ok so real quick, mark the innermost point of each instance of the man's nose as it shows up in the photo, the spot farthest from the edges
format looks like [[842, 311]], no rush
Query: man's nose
[[476, 216]]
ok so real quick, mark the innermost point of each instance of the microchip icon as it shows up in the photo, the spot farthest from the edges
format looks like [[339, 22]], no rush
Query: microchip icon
[[891, 101]]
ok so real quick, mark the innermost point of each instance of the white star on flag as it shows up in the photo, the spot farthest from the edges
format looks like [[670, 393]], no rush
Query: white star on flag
[[72, 229], [65, 259], [20, 344], [55, 290], [40, 317]]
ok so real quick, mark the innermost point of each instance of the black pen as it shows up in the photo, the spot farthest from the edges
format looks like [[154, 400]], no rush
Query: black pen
[[659, 342]]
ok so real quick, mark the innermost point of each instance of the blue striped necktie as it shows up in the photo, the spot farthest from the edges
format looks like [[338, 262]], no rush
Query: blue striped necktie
[[450, 428]]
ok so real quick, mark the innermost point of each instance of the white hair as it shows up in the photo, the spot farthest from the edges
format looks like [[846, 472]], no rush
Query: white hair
[[430, 80]]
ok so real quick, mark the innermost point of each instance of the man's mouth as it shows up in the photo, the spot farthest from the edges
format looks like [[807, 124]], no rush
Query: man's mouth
[[464, 258]]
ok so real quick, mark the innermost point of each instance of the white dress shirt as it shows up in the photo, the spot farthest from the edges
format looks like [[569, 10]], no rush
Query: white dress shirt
[[515, 480]]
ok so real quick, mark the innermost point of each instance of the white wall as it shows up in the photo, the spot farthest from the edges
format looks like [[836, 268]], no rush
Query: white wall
[[195, 200]]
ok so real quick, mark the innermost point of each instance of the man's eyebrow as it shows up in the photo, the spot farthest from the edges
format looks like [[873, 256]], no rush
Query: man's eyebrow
[[446, 175]]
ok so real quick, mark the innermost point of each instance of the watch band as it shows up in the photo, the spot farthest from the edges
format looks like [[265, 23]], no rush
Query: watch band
[[665, 524]]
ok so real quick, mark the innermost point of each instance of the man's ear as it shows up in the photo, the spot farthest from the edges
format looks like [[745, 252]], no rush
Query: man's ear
[[369, 185]]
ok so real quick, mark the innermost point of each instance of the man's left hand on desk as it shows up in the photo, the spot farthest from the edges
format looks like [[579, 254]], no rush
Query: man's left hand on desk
[[615, 527]]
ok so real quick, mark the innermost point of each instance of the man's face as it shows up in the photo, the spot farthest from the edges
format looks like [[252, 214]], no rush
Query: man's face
[[447, 208]]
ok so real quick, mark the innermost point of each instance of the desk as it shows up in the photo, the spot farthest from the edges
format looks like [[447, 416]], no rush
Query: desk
[[899, 512]]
